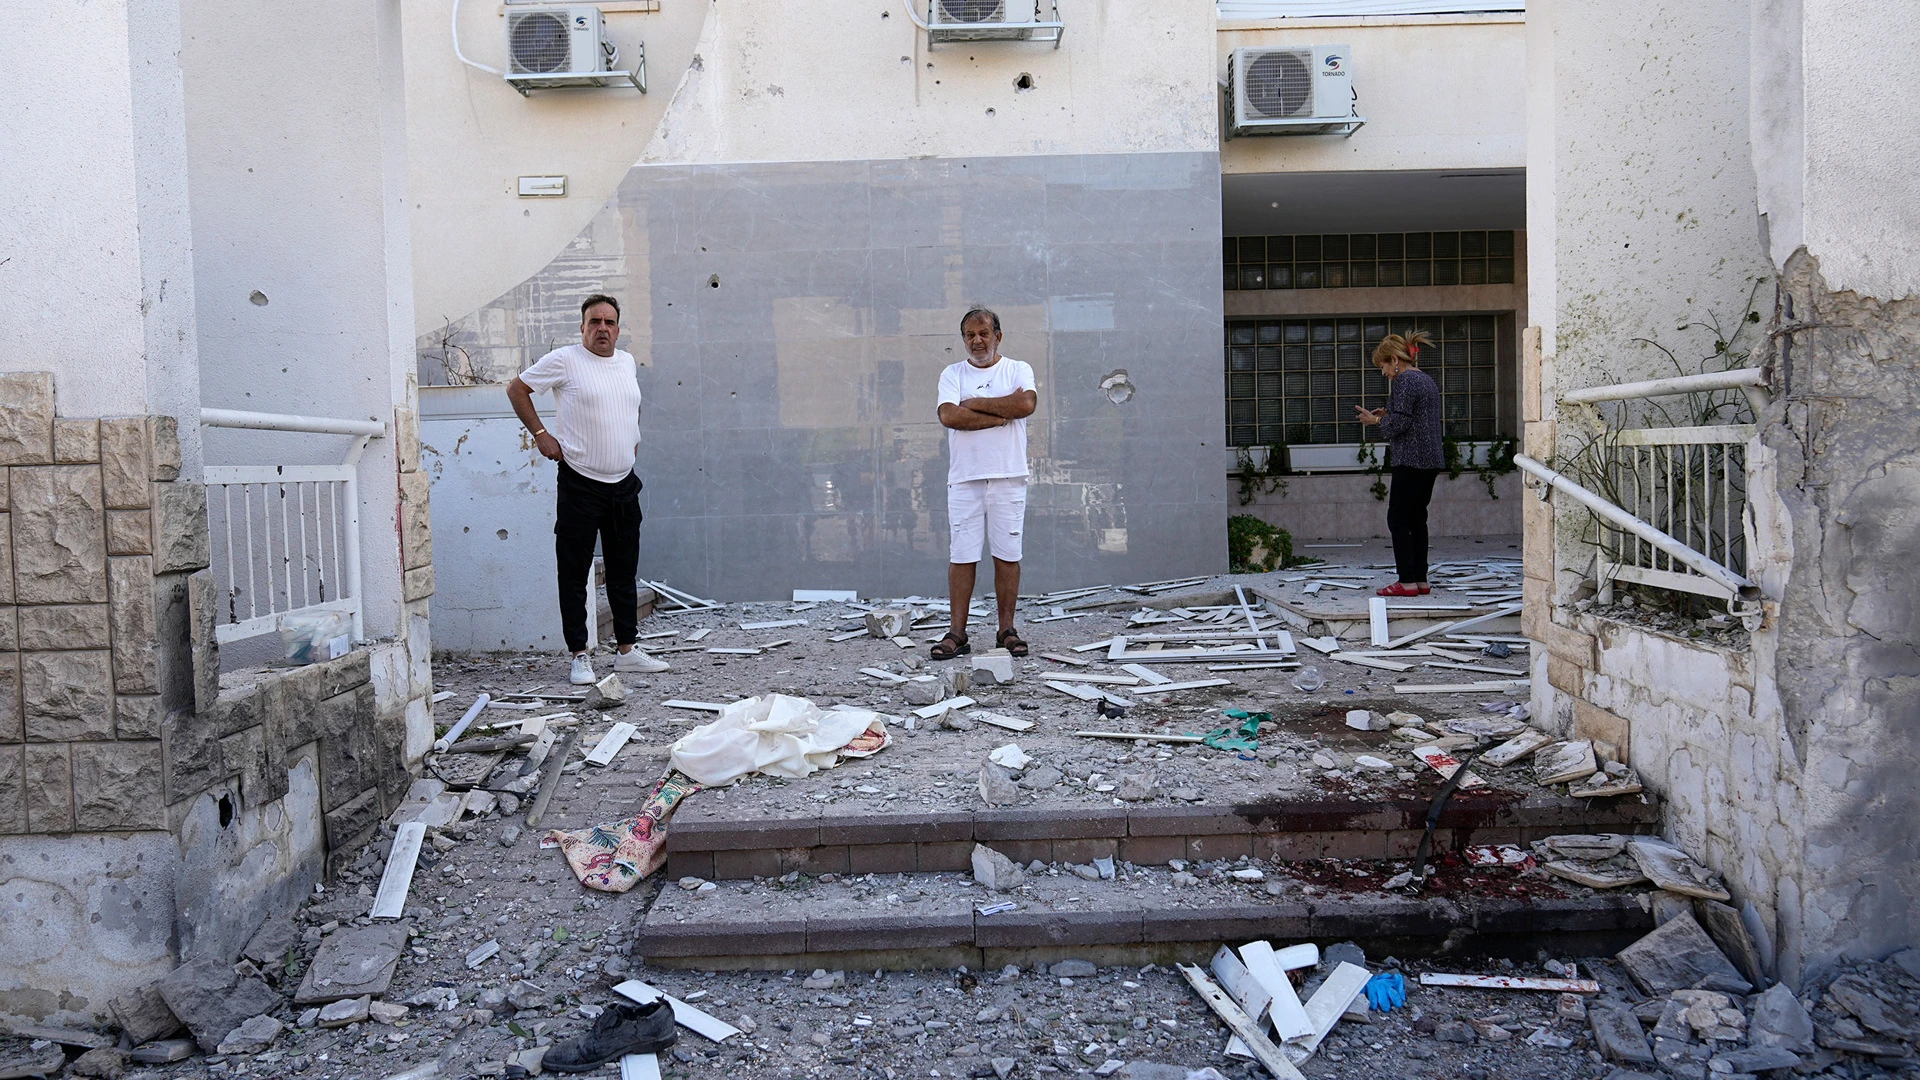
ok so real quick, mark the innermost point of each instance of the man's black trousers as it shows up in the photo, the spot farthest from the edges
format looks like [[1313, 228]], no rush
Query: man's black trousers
[[584, 511]]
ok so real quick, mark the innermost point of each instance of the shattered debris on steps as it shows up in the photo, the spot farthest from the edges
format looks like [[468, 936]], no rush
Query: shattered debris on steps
[[557, 950]]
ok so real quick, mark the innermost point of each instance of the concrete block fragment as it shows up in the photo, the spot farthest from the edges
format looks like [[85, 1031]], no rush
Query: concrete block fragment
[[59, 535], [116, 787], [163, 1052], [163, 447], [211, 1000], [1562, 762], [11, 727], [419, 731], [136, 716], [6, 548], [406, 440], [888, 623], [1679, 955], [126, 462], [353, 963], [1723, 924], [130, 532], [143, 1014], [1780, 1020], [993, 667], [179, 527], [997, 787], [418, 583], [63, 626], [245, 756], [253, 1036], [26, 418], [994, 870], [191, 754], [1673, 870], [76, 441], [9, 628], [352, 820], [1617, 1035], [13, 795], [67, 695], [203, 605], [416, 524], [49, 788]]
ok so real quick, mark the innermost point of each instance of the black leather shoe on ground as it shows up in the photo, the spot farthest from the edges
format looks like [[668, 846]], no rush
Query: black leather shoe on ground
[[621, 1030]]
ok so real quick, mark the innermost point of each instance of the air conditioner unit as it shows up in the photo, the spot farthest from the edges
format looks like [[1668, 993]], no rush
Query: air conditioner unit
[[1293, 90], [992, 20], [552, 47]]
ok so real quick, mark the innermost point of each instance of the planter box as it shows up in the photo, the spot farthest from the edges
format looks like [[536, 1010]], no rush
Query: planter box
[[1328, 457], [1342, 457]]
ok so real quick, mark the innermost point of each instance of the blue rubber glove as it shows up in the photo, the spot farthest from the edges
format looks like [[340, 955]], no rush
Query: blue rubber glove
[[1386, 991]]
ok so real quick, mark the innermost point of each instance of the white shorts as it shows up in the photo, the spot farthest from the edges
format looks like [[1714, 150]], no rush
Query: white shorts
[[981, 509]]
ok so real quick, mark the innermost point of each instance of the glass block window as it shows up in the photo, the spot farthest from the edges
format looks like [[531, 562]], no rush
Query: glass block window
[[1370, 260], [1296, 381]]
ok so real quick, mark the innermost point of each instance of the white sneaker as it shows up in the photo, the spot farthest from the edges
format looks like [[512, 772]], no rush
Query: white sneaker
[[582, 672], [639, 661]]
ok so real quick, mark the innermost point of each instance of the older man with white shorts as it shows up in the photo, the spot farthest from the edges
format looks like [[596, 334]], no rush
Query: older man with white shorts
[[984, 404]]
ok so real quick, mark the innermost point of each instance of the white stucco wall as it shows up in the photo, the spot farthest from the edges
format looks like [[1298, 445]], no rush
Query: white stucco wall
[[1645, 218], [771, 82], [299, 200], [96, 269], [1438, 92], [1862, 125]]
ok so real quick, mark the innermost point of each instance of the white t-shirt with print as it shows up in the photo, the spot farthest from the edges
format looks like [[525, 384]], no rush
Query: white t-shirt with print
[[990, 453], [597, 399]]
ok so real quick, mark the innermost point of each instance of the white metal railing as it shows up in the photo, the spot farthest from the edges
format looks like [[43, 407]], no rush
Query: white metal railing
[[1690, 483], [1673, 500], [286, 538]]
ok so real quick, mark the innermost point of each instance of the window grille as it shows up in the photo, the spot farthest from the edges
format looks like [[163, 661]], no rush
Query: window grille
[[1369, 260], [1295, 381]]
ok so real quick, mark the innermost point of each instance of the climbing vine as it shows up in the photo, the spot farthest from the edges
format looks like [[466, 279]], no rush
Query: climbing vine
[[1256, 480]]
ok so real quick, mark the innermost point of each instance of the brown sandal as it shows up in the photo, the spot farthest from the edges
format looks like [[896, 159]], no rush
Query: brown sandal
[[950, 646], [1009, 639]]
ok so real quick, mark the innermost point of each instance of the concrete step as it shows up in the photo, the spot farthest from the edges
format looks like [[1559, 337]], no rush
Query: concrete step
[[901, 921], [721, 841]]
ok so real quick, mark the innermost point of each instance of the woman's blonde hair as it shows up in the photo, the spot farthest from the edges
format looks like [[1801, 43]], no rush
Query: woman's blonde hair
[[1396, 347]]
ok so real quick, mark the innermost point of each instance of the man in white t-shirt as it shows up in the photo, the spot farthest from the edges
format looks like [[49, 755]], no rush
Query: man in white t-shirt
[[595, 440], [984, 403]]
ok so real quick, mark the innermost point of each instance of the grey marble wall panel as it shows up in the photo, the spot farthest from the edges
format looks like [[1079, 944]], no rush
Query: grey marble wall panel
[[794, 320]]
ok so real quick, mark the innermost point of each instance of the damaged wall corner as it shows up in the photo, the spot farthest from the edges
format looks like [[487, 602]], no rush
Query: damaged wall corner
[[1849, 479]]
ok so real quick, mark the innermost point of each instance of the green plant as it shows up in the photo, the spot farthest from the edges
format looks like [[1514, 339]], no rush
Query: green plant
[[1499, 463], [1255, 480], [1377, 463], [1256, 547]]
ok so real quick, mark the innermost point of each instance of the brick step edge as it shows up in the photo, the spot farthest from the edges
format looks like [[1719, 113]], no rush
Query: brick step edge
[[1466, 811], [1371, 917]]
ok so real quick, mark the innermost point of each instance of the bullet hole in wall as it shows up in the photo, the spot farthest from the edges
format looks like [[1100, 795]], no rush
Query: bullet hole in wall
[[1024, 82], [225, 806], [502, 534], [713, 282], [989, 111], [257, 298]]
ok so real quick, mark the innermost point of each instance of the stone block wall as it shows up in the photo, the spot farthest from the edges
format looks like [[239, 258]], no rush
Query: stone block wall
[[96, 529], [124, 751]]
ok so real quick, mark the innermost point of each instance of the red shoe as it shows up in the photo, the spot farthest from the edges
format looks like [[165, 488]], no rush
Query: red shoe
[[1397, 589], [1425, 589]]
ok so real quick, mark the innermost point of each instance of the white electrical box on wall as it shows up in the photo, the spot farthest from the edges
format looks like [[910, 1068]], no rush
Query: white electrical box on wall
[[543, 187]]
